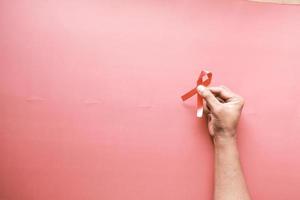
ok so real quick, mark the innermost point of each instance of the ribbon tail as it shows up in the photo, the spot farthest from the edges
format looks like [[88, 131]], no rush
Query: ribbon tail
[[189, 94], [199, 106]]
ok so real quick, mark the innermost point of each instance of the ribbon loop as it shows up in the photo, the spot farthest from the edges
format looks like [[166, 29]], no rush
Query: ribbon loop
[[204, 79]]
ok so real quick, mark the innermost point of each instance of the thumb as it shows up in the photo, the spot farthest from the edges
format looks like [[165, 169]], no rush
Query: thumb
[[210, 99]]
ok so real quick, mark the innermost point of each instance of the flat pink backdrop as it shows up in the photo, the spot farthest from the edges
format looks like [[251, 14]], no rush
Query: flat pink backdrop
[[90, 97]]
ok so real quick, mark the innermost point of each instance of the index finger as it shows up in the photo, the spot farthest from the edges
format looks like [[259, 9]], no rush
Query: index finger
[[222, 92]]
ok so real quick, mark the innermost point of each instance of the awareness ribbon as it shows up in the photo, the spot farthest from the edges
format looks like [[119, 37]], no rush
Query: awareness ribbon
[[204, 79]]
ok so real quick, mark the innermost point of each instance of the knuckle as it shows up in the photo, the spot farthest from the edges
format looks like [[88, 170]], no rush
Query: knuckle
[[242, 100]]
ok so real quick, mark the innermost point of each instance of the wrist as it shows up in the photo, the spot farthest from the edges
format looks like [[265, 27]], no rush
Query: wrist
[[225, 140]]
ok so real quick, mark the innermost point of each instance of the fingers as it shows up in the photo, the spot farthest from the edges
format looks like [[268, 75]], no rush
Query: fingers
[[225, 95], [211, 101], [220, 100], [222, 92]]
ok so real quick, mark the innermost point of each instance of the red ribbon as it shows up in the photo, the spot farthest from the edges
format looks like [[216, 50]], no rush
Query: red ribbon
[[204, 79]]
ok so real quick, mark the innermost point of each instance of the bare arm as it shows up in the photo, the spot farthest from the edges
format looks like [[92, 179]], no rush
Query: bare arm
[[223, 108]]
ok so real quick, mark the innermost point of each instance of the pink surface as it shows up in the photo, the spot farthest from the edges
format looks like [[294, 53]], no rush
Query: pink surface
[[90, 102]]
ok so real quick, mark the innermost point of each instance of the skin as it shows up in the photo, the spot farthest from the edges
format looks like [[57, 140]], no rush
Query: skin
[[223, 108]]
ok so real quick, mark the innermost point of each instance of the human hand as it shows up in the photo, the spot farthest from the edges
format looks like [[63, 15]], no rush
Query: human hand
[[222, 108]]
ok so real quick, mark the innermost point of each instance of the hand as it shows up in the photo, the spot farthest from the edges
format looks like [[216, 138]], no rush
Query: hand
[[222, 108]]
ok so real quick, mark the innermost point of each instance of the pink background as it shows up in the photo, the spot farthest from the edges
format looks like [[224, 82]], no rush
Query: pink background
[[90, 97]]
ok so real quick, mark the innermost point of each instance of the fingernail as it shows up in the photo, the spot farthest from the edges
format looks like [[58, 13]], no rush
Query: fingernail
[[200, 89]]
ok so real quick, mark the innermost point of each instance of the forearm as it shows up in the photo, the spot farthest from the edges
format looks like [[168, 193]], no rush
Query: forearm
[[229, 179]]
